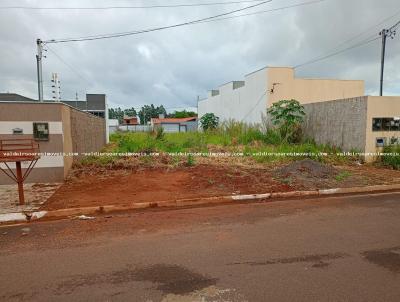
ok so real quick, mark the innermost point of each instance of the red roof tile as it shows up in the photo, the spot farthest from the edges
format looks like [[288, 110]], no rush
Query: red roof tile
[[172, 120]]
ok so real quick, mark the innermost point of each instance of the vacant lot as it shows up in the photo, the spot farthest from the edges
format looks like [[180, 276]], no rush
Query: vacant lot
[[118, 180], [99, 186]]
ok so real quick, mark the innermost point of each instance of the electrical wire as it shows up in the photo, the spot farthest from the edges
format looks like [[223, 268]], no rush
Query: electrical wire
[[265, 11], [367, 30], [116, 35], [337, 52], [67, 64], [255, 106], [205, 20], [363, 42], [130, 7]]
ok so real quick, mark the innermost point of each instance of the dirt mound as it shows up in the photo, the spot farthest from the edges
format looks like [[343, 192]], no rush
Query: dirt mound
[[307, 168]]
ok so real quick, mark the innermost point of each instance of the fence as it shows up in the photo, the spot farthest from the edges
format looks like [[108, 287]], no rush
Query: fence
[[133, 128]]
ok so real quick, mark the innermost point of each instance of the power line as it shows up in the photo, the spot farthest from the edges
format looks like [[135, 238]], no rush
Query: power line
[[68, 65], [363, 42], [336, 53], [367, 30], [116, 35], [265, 11], [206, 20], [255, 106], [130, 6]]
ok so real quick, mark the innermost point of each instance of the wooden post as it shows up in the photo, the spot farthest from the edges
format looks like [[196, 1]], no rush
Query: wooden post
[[20, 182]]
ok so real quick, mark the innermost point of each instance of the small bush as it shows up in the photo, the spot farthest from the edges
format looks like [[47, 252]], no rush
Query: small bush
[[287, 116], [391, 157], [100, 161], [342, 176], [209, 121], [160, 133], [190, 161]]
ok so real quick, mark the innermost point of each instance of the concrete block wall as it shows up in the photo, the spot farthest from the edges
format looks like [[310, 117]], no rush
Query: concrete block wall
[[88, 132], [340, 123]]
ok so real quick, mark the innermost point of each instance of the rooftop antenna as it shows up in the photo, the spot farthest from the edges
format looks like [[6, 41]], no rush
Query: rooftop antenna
[[56, 87]]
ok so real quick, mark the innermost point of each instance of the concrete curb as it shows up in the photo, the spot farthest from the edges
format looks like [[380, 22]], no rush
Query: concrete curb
[[75, 212]]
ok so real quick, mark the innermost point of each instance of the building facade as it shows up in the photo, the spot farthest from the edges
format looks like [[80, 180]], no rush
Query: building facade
[[130, 120], [69, 133], [248, 100], [363, 124], [174, 125]]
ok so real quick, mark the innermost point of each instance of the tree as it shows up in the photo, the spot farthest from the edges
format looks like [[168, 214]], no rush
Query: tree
[[116, 113], [130, 112], [148, 112], [182, 114], [209, 121], [287, 115]]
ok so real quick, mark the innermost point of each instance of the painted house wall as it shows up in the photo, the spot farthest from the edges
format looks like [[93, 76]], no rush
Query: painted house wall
[[23, 115], [245, 103], [347, 123], [70, 131], [309, 90], [380, 107], [249, 102]]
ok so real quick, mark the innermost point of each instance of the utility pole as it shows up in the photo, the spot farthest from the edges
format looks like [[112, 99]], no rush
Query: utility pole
[[39, 57], [391, 32], [383, 33]]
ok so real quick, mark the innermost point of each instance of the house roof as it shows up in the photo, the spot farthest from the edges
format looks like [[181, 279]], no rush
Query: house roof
[[173, 120]]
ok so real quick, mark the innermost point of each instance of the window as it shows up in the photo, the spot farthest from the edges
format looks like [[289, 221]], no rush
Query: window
[[377, 124], [386, 124], [41, 131], [381, 142], [394, 140]]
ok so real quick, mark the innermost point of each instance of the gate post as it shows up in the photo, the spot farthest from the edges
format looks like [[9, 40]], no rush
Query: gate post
[[20, 182]]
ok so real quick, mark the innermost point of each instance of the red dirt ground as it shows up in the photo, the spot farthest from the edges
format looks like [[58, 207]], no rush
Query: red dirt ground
[[147, 185]]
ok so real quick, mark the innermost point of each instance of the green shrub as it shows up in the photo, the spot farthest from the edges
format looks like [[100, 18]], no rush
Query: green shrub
[[272, 137], [160, 134], [97, 160], [287, 116], [342, 176], [191, 161], [209, 121], [391, 157]]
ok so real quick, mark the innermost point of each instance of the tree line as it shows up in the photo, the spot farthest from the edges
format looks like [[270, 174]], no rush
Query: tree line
[[146, 113]]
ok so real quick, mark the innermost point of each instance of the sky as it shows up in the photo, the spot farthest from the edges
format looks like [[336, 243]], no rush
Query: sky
[[174, 67]]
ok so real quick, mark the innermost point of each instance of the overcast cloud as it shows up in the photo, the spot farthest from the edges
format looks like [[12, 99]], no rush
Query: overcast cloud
[[173, 67]]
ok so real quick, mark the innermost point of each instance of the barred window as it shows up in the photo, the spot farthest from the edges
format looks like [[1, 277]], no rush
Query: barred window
[[41, 131], [386, 124]]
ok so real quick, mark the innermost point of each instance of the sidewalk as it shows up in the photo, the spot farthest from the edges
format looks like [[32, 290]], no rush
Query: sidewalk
[[35, 196], [26, 216]]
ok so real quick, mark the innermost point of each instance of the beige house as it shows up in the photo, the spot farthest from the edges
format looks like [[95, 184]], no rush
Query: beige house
[[248, 100], [63, 133], [283, 85], [338, 113], [363, 124]]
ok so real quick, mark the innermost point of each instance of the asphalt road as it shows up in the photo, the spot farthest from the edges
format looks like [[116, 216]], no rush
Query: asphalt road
[[336, 249]]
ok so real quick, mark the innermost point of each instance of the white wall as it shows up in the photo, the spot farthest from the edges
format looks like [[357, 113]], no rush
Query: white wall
[[245, 104]]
